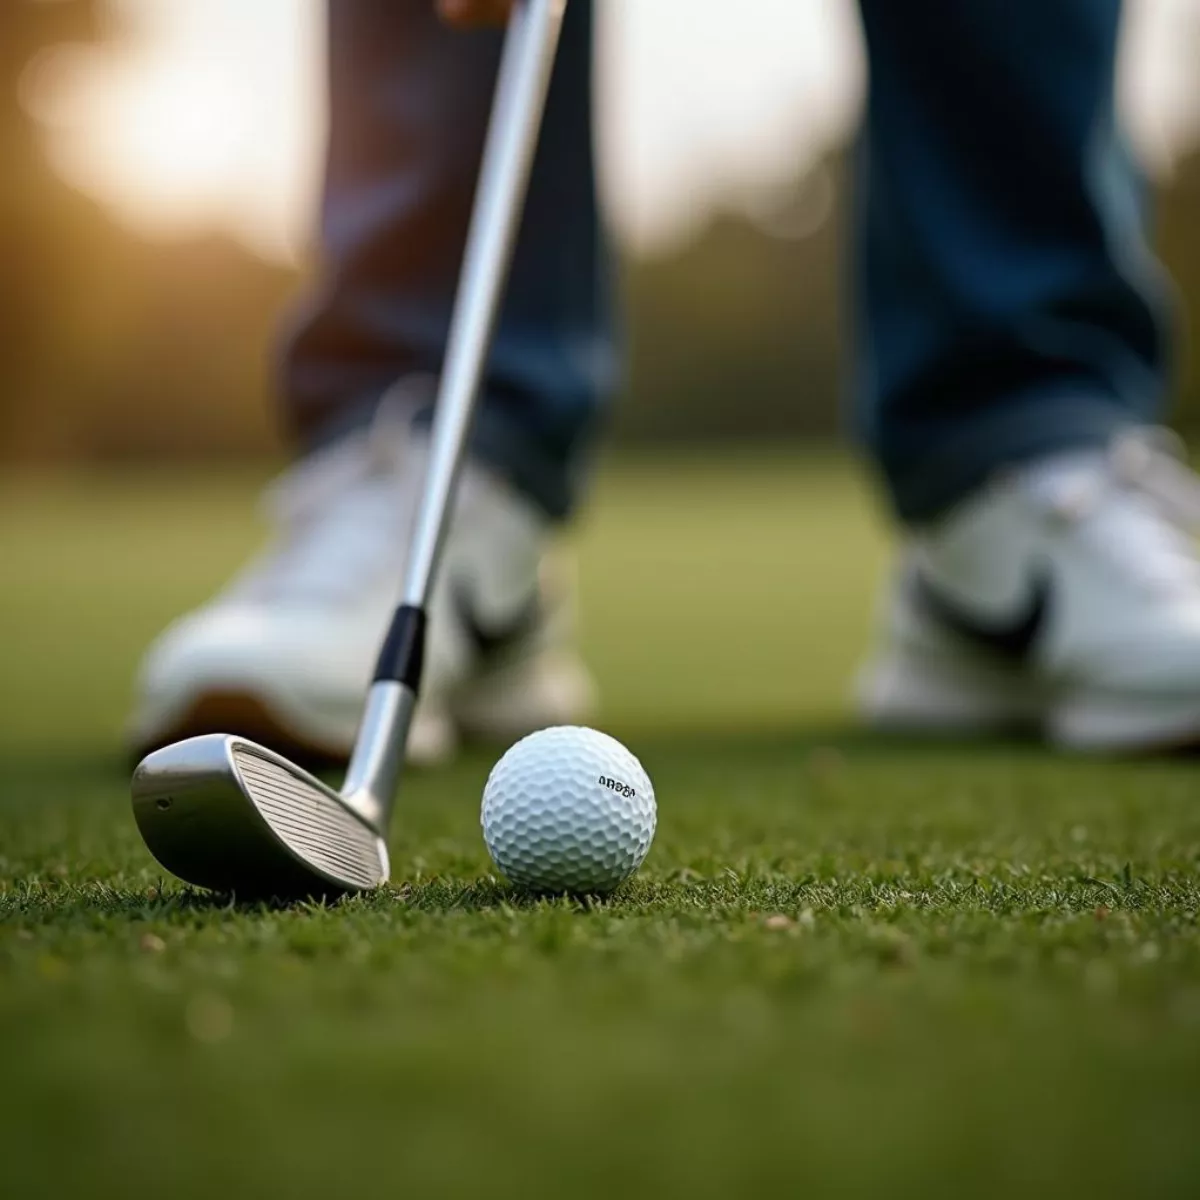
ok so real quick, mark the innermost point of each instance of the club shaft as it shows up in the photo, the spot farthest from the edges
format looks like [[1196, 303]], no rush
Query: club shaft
[[512, 139], [522, 85]]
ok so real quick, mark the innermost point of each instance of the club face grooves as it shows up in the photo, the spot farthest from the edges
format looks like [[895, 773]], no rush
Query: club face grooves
[[310, 821], [228, 815]]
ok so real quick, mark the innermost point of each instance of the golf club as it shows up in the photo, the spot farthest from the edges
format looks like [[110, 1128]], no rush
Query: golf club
[[226, 814]]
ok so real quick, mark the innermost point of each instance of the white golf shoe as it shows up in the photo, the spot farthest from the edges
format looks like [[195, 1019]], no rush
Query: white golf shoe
[[285, 654], [1063, 599]]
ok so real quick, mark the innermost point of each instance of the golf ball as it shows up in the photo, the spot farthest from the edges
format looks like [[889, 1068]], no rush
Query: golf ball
[[568, 809]]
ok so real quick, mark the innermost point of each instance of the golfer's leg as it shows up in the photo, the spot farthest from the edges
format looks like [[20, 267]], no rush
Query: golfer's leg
[[409, 105], [285, 654], [1008, 302]]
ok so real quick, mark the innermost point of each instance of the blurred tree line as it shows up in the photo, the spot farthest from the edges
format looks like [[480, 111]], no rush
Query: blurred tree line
[[112, 347], [743, 332]]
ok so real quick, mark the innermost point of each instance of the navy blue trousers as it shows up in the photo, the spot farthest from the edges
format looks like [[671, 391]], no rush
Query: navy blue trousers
[[1007, 304]]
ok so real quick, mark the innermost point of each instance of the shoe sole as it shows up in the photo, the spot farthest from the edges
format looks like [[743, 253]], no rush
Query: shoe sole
[[1102, 723], [916, 695], [248, 716], [898, 695], [497, 709]]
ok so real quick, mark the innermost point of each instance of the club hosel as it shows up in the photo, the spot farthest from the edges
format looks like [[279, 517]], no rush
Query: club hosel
[[379, 749]]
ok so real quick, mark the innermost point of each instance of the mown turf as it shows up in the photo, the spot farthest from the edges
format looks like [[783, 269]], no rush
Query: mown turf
[[849, 967]]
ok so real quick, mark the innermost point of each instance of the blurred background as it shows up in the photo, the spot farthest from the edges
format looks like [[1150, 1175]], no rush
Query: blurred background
[[160, 161]]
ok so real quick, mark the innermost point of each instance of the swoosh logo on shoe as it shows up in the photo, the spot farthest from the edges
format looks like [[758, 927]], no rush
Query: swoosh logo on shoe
[[1013, 640], [492, 642]]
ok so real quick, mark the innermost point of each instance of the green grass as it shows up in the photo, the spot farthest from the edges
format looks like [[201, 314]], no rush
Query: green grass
[[849, 967]]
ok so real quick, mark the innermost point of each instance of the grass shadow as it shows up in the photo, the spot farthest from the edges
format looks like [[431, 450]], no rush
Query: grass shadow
[[70, 904], [50, 903], [491, 895]]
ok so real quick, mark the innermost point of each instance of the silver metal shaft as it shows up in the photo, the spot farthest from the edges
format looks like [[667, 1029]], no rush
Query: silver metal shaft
[[523, 81], [526, 66]]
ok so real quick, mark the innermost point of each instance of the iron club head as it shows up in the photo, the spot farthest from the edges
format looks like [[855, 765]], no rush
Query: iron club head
[[227, 814]]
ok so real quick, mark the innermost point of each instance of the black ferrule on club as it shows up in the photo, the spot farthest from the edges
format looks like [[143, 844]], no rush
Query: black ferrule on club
[[403, 655]]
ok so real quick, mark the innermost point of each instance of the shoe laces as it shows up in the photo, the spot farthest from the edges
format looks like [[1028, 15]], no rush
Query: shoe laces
[[340, 516], [1149, 534]]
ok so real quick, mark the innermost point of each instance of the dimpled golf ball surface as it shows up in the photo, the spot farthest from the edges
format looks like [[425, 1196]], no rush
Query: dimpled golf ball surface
[[568, 810]]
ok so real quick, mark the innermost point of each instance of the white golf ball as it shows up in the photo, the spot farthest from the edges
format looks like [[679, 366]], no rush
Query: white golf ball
[[568, 809]]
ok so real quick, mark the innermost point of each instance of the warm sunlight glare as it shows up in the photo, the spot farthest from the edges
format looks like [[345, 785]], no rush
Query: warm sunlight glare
[[182, 138], [212, 116]]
